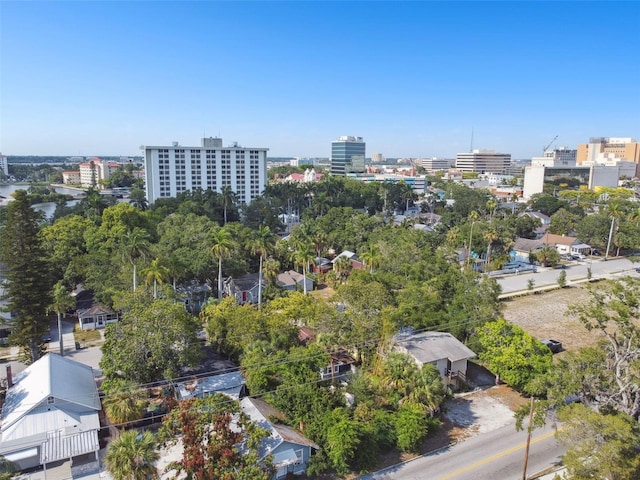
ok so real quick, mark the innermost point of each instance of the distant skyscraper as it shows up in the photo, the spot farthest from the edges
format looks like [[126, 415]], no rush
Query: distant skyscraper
[[170, 170], [4, 165], [484, 161], [347, 155]]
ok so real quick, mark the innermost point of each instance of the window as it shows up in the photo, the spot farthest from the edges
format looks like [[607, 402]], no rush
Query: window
[[51, 401], [299, 456]]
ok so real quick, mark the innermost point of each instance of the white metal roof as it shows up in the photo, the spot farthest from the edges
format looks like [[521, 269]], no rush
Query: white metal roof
[[51, 381]]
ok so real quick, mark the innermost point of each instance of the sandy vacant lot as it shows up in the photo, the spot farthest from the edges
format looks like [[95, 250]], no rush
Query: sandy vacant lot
[[543, 316]]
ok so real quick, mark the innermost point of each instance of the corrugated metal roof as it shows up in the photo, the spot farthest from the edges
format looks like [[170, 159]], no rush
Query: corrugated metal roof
[[229, 384], [52, 378], [259, 411], [58, 447]]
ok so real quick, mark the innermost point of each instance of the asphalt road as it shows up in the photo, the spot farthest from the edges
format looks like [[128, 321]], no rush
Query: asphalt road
[[498, 454], [577, 271]]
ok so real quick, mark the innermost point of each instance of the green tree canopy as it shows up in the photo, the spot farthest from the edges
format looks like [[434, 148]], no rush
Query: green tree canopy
[[153, 341], [28, 280]]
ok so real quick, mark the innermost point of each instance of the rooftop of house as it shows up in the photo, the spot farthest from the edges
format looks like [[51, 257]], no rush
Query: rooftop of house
[[261, 412], [553, 239], [427, 347]]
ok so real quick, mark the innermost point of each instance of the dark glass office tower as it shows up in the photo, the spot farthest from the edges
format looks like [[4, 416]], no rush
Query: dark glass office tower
[[347, 155]]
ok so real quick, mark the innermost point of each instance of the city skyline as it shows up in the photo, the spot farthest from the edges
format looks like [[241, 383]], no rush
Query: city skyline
[[414, 79]]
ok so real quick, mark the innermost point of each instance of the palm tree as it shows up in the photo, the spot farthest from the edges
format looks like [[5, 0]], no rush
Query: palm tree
[[135, 245], [491, 206], [176, 269], [138, 198], [263, 243], [342, 265], [371, 257], [490, 236], [228, 199], [473, 216], [271, 268], [156, 273], [222, 244], [131, 456], [62, 302], [303, 255], [124, 406]]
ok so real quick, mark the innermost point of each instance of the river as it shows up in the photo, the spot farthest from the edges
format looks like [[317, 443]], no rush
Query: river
[[48, 208]]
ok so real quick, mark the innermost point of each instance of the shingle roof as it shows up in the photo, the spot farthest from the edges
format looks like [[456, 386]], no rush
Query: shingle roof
[[430, 347], [552, 239]]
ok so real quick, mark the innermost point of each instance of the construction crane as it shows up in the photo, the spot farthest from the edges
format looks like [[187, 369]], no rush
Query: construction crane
[[544, 149]]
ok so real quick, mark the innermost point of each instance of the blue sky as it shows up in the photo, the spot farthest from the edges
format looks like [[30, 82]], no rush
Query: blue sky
[[412, 78]]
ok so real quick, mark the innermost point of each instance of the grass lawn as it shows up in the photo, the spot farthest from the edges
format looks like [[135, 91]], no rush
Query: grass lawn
[[86, 336]]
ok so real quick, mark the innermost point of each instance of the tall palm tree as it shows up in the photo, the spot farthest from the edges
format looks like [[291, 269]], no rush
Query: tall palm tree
[[156, 273], [473, 216], [262, 243], [176, 269], [131, 456], [490, 236], [228, 199], [135, 245], [371, 257], [62, 302], [492, 204], [303, 255], [271, 269], [222, 244]]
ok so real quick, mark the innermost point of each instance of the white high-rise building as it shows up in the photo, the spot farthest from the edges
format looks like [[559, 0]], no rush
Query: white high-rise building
[[559, 157], [4, 165], [483, 161], [170, 170]]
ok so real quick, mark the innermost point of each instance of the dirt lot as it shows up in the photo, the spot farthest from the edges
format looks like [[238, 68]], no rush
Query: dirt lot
[[543, 316]]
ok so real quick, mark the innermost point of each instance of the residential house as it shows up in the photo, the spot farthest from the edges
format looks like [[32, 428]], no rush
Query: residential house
[[96, 316], [322, 265], [244, 289], [306, 335], [92, 315], [544, 220], [292, 280], [290, 449], [562, 243], [441, 349], [353, 258], [50, 413], [524, 247], [231, 384], [342, 363]]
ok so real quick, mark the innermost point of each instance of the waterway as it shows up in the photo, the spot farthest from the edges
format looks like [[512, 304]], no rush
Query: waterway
[[48, 208]]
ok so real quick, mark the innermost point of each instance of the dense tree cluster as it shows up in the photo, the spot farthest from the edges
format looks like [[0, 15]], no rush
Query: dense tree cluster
[[147, 262]]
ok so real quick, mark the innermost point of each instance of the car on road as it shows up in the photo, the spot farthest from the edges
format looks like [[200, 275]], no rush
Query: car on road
[[638, 269], [46, 337], [553, 345]]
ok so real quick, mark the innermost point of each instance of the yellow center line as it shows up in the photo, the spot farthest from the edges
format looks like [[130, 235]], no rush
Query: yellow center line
[[501, 454]]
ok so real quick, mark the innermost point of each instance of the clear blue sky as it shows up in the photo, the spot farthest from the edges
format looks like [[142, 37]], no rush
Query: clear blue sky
[[412, 78]]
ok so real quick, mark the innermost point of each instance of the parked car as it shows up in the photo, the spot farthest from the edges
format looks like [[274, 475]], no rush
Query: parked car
[[578, 256], [595, 253], [553, 345], [46, 337]]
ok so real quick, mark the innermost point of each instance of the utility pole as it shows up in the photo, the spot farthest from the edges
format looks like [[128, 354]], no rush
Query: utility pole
[[606, 254], [526, 450]]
